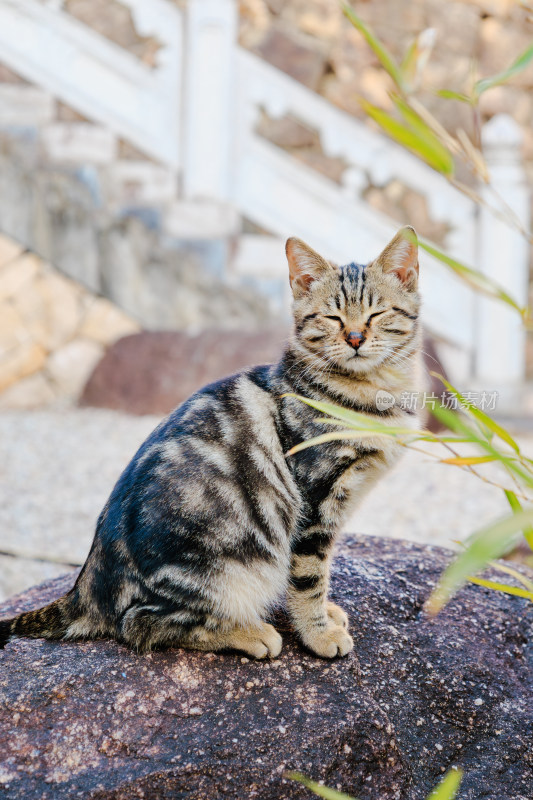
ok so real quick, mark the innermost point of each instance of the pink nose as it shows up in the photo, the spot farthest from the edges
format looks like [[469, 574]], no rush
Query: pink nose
[[355, 339]]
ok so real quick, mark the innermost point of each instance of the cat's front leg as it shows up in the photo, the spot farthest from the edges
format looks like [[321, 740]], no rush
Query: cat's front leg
[[321, 625]]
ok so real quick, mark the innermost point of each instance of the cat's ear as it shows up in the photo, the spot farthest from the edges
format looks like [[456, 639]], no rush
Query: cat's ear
[[305, 265], [400, 257]]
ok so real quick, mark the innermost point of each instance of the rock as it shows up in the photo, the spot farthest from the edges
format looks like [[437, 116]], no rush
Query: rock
[[457, 30], [105, 323], [11, 331], [25, 359], [254, 21], [319, 18], [17, 274], [49, 307], [31, 392], [286, 132], [9, 250], [152, 372], [417, 696], [285, 50], [69, 366]]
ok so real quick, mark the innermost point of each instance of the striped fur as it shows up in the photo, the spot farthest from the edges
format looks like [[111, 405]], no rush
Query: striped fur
[[211, 524]]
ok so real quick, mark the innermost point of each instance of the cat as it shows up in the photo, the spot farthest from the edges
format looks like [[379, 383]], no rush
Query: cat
[[212, 523]]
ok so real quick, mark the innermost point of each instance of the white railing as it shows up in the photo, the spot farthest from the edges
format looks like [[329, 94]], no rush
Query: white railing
[[50, 48], [197, 110]]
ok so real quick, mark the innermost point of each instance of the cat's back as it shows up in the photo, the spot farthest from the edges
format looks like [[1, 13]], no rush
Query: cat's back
[[224, 433]]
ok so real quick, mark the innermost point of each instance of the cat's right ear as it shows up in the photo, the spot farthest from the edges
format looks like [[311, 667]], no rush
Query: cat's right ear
[[305, 265]]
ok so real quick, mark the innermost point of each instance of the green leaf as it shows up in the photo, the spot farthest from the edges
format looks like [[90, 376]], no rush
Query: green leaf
[[514, 572], [515, 504], [334, 436], [448, 787], [481, 416], [318, 789], [486, 544], [355, 419], [425, 145], [502, 587], [502, 77], [474, 278], [419, 126], [385, 58], [449, 95]]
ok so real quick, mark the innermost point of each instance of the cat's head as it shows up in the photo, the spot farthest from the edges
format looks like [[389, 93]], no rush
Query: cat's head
[[354, 318]]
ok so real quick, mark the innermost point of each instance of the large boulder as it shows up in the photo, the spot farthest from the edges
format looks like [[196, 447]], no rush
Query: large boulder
[[154, 371], [416, 697]]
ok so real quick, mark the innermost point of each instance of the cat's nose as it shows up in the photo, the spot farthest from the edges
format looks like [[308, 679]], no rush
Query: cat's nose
[[355, 339]]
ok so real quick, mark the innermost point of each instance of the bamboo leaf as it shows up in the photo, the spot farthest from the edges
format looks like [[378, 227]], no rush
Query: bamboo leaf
[[334, 436], [385, 57], [318, 789], [448, 787], [474, 278], [355, 419], [486, 544], [516, 506], [513, 572], [425, 146], [502, 587], [449, 95], [464, 461], [480, 415], [424, 131], [502, 77]]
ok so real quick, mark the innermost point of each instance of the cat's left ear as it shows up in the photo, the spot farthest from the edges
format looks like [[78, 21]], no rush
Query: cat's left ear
[[400, 258], [305, 265]]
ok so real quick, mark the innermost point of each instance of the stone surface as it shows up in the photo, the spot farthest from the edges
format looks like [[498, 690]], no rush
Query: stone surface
[[94, 720], [114, 20], [21, 361], [52, 331], [286, 51], [68, 366], [79, 142], [25, 105], [152, 372], [35, 391], [105, 323]]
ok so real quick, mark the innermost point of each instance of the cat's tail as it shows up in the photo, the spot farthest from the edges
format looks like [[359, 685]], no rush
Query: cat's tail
[[58, 620]]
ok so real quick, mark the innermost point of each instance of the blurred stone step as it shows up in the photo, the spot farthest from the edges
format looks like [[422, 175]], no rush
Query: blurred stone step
[[78, 143], [25, 106], [198, 219], [131, 184], [260, 256]]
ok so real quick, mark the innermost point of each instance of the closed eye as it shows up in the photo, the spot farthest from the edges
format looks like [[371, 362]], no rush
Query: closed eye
[[395, 330], [377, 314], [336, 319]]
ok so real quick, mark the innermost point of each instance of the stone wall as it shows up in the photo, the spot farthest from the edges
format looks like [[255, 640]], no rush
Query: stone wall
[[316, 44], [112, 219], [52, 331]]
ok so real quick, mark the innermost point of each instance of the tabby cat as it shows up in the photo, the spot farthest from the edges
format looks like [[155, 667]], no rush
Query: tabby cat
[[212, 524]]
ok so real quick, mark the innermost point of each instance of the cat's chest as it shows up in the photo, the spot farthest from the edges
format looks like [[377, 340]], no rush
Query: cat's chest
[[342, 468]]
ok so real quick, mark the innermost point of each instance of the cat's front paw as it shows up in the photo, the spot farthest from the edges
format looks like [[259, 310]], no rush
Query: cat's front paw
[[329, 642], [337, 615], [261, 642]]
